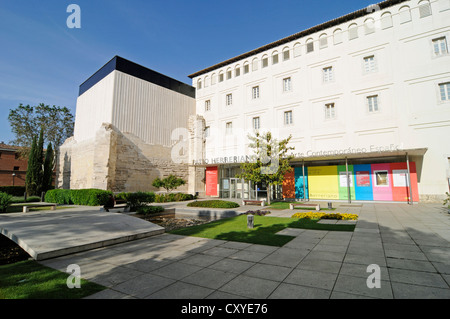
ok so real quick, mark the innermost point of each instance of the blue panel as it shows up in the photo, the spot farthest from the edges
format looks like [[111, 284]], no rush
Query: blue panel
[[363, 185], [299, 180]]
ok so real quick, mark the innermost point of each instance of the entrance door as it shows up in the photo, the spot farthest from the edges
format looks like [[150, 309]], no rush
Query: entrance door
[[235, 188]]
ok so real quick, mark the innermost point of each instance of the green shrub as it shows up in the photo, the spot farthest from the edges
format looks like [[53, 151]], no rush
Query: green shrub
[[13, 190], [214, 204], [447, 200], [84, 197], [21, 199], [137, 199], [146, 210], [5, 202], [173, 197]]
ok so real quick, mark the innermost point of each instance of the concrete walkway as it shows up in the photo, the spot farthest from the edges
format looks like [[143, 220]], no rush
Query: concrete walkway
[[409, 244]]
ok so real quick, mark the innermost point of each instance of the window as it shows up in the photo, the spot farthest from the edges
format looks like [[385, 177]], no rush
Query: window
[[255, 65], [246, 68], [229, 99], [288, 118], [221, 77], [424, 9], [229, 74], [207, 131], [213, 79], [440, 46], [444, 89], [323, 41], [372, 103], [328, 75], [381, 178], [206, 81], [330, 112], [229, 128], [275, 58], [370, 64], [286, 55], [199, 84], [404, 14], [16, 168], [386, 21], [337, 36], [208, 105], [287, 84], [369, 26], [353, 31], [237, 72], [297, 49], [255, 92], [309, 46], [265, 61], [256, 123]]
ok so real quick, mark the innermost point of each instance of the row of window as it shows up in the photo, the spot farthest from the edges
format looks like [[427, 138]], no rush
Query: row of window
[[372, 104], [444, 90], [404, 16]]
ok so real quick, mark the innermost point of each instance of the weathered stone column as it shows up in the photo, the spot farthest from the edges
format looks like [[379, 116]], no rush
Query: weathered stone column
[[196, 154]]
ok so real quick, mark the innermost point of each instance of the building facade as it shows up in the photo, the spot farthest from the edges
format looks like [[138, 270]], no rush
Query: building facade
[[13, 168], [366, 98], [127, 129]]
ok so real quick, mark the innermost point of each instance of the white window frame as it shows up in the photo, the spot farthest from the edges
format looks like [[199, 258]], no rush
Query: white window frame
[[286, 55], [323, 41], [207, 105], [256, 123], [444, 92], [275, 58], [425, 9], [288, 118], [246, 68], [287, 84], [207, 131], [255, 92], [375, 181], [310, 46], [330, 111], [229, 128], [370, 64], [328, 74], [386, 21], [442, 42], [370, 99], [353, 32], [265, 61], [229, 99]]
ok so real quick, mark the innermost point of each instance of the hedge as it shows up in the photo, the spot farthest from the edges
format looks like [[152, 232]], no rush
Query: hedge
[[84, 197], [13, 190], [173, 197], [214, 204], [146, 210], [137, 199]]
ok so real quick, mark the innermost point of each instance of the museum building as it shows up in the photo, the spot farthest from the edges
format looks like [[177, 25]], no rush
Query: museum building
[[365, 97]]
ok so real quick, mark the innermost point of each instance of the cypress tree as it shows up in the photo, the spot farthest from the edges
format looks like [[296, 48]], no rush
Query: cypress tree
[[39, 169], [30, 177], [48, 168]]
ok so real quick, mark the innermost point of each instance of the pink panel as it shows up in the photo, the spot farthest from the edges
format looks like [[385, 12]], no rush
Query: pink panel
[[382, 182]]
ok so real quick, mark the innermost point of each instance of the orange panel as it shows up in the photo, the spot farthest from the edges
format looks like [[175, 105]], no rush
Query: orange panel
[[289, 185]]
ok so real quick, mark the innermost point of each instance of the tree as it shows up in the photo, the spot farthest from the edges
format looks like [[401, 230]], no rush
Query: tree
[[48, 168], [169, 183], [30, 178], [271, 161], [25, 121]]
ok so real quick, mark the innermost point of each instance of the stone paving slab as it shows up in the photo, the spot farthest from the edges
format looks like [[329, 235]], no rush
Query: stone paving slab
[[315, 264]]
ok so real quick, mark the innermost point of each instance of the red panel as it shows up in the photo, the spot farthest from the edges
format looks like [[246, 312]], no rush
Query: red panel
[[289, 185], [400, 187], [212, 174]]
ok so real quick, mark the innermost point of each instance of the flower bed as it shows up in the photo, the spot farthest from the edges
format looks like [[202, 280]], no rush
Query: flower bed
[[258, 213], [338, 216]]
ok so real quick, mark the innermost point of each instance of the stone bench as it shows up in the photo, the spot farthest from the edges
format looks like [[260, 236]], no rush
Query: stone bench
[[26, 208], [253, 202], [315, 206]]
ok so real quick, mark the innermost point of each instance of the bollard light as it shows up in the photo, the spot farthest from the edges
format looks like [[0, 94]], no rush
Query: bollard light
[[250, 221]]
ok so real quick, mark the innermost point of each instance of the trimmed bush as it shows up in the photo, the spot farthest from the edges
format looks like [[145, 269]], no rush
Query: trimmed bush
[[214, 204], [173, 197], [13, 190], [5, 202], [338, 216], [84, 197], [137, 199], [147, 210]]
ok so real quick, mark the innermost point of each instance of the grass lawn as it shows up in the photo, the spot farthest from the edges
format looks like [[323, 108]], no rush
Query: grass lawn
[[31, 280], [264, 233]]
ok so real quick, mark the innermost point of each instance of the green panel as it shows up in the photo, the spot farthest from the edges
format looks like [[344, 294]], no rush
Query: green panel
[[342, 178]]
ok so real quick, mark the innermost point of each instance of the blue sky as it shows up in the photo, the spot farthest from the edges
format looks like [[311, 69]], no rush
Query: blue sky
[[43, 61]]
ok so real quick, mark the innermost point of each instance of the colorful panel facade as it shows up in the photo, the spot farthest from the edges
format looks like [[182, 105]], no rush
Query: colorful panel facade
[[212, 174], [301, 183], [323, 182]]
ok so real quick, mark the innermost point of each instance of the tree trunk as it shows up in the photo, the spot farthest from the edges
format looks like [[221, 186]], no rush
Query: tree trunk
[[269, 188]]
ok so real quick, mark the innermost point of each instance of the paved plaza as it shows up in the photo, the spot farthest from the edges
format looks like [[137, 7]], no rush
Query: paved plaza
[[409, 244]]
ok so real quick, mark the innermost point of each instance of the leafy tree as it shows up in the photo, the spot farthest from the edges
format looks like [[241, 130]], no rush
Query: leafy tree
[[271, 161], [169, 183], [25, 121], [30, 179]]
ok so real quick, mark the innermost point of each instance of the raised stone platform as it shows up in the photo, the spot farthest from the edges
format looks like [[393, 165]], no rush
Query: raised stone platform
[[50, 234]]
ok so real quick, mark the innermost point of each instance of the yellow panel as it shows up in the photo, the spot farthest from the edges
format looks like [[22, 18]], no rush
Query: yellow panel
[[323, 182]]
